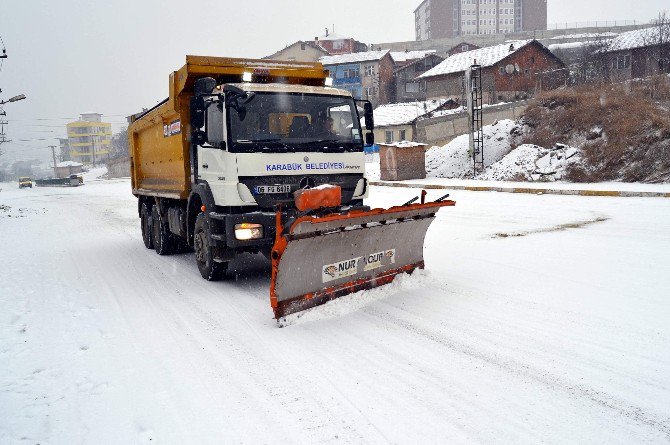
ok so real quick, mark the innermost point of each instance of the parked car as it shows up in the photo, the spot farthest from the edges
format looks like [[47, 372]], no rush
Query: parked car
[[25, 181]]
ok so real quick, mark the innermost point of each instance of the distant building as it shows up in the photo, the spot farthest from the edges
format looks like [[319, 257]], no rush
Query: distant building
[[64, 149], [402, 58], [397, 122], [301, 51], [407, 86], [437, 19], [641, 53], [67, 168], [336, 44], [89, 139], [462, 47], [367, 75], [509, 71]]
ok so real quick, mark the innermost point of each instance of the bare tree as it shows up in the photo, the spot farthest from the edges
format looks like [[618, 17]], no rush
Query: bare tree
[[657, 45], [591, 63], [119, 147]]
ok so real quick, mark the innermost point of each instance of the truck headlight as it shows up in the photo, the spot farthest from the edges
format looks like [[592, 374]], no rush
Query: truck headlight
[[248, 231]]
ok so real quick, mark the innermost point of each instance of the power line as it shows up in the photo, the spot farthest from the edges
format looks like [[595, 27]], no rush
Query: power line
[[65, 118]]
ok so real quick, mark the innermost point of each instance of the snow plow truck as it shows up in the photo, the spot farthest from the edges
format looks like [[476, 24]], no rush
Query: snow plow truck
[[265, 156]]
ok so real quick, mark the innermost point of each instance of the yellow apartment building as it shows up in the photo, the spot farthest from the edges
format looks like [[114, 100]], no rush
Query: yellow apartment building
[[89, 139]]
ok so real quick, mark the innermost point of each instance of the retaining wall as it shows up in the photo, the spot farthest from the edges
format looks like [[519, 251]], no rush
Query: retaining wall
[[441, 130]]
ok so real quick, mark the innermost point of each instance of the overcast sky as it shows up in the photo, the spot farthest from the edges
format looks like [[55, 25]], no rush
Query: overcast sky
[[114, 56]]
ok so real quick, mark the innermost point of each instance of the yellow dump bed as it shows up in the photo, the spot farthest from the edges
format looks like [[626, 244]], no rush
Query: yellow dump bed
[[159, 138]]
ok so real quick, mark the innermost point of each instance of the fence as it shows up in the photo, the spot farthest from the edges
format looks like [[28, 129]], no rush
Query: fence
[[595, 24]]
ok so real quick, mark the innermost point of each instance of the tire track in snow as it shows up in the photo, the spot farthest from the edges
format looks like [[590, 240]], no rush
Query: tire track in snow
[[523, 370]]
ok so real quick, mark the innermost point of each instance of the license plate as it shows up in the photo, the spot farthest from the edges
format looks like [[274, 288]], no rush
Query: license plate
[[266, 189]]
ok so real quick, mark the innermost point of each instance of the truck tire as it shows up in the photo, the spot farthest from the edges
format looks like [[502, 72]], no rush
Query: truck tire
[[204, 253], [163, 240], [145, 223]]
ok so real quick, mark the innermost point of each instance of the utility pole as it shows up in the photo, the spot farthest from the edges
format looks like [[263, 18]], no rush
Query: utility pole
[[53, 155], [93, 149], [3, 136]]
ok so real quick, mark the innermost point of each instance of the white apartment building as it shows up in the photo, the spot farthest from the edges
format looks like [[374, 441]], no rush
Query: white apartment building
[[436, 19]]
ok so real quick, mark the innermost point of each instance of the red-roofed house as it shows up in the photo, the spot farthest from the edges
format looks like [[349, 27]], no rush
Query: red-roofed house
[[509, 71]]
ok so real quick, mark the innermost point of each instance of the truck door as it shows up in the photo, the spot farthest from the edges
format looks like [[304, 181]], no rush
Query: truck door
[[210, 156]]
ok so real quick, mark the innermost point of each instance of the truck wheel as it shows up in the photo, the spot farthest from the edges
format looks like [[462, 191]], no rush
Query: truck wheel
[[163, 239], [204, 256], [145, 222]]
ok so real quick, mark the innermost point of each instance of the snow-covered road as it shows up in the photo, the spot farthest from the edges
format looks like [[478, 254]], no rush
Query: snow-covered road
[[538, 319]]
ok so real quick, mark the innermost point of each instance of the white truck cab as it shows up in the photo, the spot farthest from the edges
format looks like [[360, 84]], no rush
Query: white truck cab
[[265, 141]]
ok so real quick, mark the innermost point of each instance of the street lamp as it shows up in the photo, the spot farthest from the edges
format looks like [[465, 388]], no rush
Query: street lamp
[[13, 99]]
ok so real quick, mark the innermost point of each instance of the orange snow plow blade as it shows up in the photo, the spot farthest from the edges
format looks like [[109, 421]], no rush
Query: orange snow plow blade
[[317, 259]]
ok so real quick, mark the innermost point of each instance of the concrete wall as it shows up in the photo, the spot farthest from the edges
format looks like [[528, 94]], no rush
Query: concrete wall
[[442, 130], [545, 37]]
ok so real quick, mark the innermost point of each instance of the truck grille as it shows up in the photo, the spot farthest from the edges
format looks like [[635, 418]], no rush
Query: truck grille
[[347, 182]]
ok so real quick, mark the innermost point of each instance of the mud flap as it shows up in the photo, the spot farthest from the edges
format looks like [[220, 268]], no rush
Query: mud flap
[[318, 259]]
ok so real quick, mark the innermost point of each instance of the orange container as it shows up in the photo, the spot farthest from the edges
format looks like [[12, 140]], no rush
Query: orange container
[[316, 198]]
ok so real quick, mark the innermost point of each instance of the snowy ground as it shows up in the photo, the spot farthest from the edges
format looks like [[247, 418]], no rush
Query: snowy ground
[[538, 319]]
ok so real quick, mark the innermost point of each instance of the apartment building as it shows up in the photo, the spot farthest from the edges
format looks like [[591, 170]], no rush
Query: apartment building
[[89, 139], [436, 19], [367, 75]]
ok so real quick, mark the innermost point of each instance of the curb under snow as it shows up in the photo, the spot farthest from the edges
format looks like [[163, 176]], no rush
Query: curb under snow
[[534, 191]]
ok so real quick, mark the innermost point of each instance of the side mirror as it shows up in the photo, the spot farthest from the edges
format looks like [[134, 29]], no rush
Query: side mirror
[[197, 112], [204, 85], [368, 115], [369, 139]]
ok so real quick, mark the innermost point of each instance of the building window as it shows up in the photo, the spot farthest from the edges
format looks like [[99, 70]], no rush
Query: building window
[[412, 87], [402, 135], [352, 73], [302, 46], [623, 62], [388, 137], [369, 70]]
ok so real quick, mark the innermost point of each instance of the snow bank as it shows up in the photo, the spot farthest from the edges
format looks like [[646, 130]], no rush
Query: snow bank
[[372, 167], [533, 163], [69, 164], [454, 161], [95, 173], [524, 163]]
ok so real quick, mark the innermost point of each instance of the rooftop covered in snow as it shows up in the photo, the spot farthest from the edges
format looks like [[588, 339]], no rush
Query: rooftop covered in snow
[[638, 39], [366, 56], [69, 164], [405, 113], [484, 56], [333, 36], [404, 56]]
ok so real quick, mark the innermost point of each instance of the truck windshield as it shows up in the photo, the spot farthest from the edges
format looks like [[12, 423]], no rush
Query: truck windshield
[[294, 122]]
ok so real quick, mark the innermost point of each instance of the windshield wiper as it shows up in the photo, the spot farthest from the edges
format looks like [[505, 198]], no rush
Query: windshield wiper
[[281, 148], [339, 148]]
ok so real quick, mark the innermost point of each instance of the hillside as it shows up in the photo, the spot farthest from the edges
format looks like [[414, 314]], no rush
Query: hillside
[[622, 132]]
